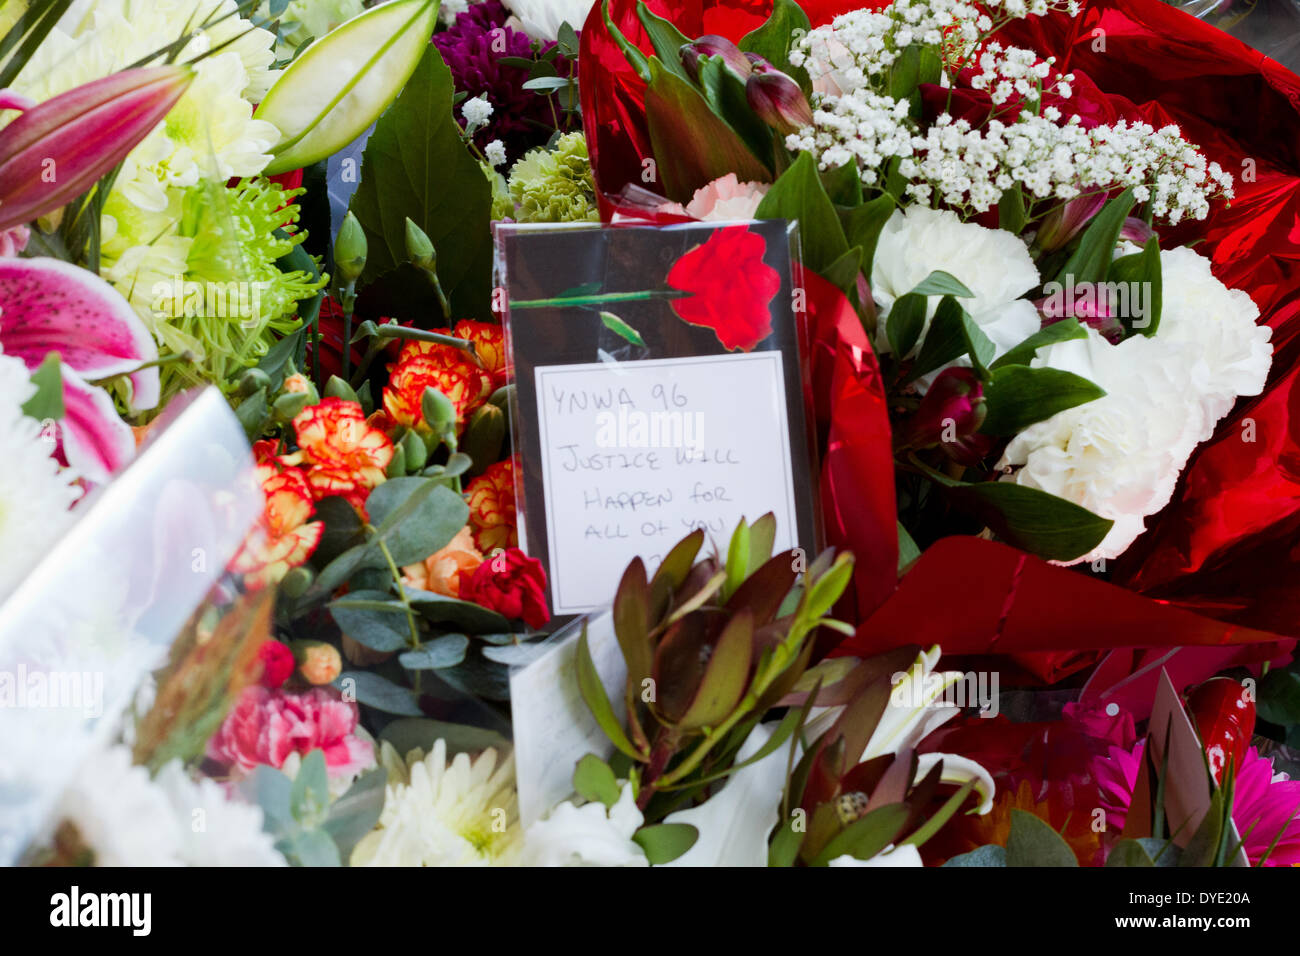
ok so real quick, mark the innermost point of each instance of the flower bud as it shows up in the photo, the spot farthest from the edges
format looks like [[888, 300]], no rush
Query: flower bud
[[776, 98], [318, 662], [1136, 230], [438, 411], [419, 248], [1067, 220], [252, 381], [484, 436], [713, 45], [952, 410], [414, 451], [337, 388], [350, 249]]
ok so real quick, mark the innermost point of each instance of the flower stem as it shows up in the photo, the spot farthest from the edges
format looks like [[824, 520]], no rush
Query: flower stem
[[596, 299]]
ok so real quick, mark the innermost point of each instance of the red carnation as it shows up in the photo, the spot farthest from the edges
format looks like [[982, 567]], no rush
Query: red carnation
[[731, 287], [512, 584], [277, 663]]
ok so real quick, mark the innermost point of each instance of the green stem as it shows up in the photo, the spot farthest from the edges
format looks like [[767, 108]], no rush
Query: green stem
[[597, 299], [401, 593], [171, 359]]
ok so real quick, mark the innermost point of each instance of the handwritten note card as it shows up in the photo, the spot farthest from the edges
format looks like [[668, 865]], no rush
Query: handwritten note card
[[636, 455]]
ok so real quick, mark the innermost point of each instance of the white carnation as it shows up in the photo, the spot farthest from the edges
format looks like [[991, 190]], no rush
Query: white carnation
[[994, 264]]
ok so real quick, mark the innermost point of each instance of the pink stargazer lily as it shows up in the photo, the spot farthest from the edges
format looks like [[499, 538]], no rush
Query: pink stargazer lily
[[59, 149], [47, 305]]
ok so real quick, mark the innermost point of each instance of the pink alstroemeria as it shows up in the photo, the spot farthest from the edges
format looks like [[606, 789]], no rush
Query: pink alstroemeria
[[1067, 220], [47, 305], [58, 149]]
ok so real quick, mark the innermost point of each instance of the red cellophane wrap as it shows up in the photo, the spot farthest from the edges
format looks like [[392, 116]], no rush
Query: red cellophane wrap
[[1218, 569]]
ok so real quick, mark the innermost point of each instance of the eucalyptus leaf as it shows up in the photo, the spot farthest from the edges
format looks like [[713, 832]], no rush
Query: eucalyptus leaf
[[379, 692], [1032, 842], [441, 652]]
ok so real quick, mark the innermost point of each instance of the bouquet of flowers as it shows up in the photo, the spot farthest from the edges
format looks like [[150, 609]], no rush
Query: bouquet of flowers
[[1046, 348]]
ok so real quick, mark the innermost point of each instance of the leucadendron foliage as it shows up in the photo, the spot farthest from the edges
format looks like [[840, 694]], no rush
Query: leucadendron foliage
[[710, 648]]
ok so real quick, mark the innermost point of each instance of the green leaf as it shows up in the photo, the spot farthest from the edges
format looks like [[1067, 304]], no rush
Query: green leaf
[[416, 165], [822, 593], [843, 272], [594, 781], [1034, 520], [844, 185], [724, 91], [665, 38], [416, 516], [408, 733], [988, 855], [1090, 261], [692, 144], [737, 566], [1279, 698], [380, 630], [939, 282], [1129, 853], [253, 414], [952, 333], [465, 615], [639, 61], [1017, 396], [905, 322], [632, 622], [863, 226], [446, 651], [725, 676], [798, 195], [342, 82], [380, 693], [866, 836], [355, 814], [665, 842], [1023, 353], [1142, 269], [313, 848], [907, 549], [1033, 843], [773, 39], [619, 327], [593, 692], [762, 536], [309, 797], [784, 849], [47, 403], [1203, 848], [945, 813], [1011, 210]]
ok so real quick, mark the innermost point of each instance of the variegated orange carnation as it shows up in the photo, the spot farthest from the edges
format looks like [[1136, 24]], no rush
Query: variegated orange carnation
[[489, 345], [283, 538], [326, 482], [442, 572], [491, 499], [334, 434], [460, 381], [484, 371]]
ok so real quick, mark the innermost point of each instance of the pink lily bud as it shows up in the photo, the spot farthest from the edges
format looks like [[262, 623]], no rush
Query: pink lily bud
[[1136, 230], [1067, 220], [13, 100], [713, 45], [775, 97], [1089, 302], [58, 149], [950, 414]]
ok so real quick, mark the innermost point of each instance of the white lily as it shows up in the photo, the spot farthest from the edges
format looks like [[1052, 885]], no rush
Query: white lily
[[343, 81], [916, 709], [891, 855], [734, 823], [589, 835]]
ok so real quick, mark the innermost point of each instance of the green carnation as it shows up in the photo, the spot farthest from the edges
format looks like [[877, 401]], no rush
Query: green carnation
[[555, 185]]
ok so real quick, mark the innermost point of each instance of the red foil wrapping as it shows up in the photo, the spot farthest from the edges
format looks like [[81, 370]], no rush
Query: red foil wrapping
[[1218, 569]]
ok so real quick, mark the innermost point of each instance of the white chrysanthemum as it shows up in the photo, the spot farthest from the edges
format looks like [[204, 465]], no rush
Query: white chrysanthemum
[[541, 19], [213, 830], [462, 813], [119, 814], [994, 264], [589, 835], [127, 819], [1119, 456], [36, 493]]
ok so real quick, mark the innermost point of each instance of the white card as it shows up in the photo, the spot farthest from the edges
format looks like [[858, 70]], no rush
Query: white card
[[553, 727], [635, 455]]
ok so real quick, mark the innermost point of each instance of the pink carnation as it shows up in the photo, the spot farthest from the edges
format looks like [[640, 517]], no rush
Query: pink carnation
[[266, 726], [724, 199]]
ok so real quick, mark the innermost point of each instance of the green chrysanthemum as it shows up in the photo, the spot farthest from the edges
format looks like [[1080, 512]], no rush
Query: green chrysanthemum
[[213, 287], [555, 185]]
